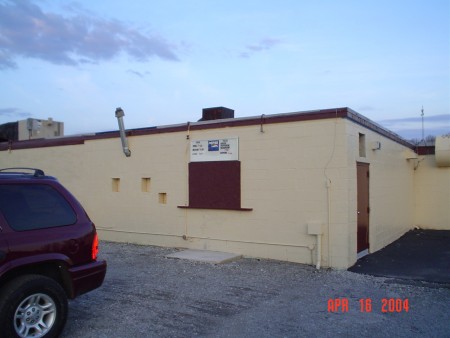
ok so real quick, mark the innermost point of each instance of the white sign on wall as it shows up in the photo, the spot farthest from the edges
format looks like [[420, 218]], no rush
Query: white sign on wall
[[226, 149]]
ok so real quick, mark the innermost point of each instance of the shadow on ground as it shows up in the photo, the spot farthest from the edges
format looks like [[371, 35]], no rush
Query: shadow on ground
[[419, 255]]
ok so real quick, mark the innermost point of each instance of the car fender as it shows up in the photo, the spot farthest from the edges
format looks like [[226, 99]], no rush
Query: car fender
[[52, 264]]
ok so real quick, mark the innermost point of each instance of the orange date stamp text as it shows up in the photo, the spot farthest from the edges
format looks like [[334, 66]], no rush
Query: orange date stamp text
[[386, 305]]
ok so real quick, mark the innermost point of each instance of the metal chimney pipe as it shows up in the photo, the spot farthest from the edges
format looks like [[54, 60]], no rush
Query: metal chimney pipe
[[120, 114]]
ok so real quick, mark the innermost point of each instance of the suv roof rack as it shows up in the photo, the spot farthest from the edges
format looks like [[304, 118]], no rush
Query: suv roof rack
[[18, 170]]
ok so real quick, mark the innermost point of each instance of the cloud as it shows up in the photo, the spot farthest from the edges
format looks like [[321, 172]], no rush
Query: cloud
[[137, 73], [443, 119], [411, 127], [262, 45], [13, 112], [27, 31]]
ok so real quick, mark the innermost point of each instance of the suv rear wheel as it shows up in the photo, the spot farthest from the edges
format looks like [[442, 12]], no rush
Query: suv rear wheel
[[32, 306]]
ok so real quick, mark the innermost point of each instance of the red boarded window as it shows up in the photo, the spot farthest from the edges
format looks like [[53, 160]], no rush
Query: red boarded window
[[215, 185]]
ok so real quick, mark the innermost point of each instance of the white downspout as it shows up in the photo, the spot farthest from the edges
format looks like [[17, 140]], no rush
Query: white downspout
[[329, 222], [319, 250], [316, 228]]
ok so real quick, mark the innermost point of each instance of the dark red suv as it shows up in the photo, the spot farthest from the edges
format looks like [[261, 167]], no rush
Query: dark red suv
[[48, 253]]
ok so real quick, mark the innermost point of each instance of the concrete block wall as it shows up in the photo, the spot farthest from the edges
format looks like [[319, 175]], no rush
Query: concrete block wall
[[292, 174], [431, 194], [282, 179], [391, 187]]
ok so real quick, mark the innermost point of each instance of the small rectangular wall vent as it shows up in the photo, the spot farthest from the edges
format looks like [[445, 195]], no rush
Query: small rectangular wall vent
[[162, 198], [115, 184], [145, 184], [362, 145]]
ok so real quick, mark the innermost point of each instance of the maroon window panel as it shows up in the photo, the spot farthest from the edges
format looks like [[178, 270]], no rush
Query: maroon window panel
[[215, 185]]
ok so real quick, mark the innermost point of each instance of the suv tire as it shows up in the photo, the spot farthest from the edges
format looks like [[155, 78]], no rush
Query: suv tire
[[32, 306]]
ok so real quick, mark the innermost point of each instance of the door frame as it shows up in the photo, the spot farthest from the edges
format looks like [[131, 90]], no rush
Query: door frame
[[362, 208]]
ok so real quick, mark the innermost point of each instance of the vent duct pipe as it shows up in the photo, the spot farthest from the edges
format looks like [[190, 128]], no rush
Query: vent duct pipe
[[120, 114]]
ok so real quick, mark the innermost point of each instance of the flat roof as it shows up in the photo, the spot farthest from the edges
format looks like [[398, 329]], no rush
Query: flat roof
[[263, 119]]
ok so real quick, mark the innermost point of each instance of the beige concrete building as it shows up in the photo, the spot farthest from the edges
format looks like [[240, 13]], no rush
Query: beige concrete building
[[317, 187]]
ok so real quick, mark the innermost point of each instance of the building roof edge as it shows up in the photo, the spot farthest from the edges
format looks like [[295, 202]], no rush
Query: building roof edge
[[343, 112]]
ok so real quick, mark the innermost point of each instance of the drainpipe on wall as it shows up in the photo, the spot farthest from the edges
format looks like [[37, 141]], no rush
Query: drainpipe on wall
[[120, 114], [186, 198], [316, 228], [328, 183], [319, 250]]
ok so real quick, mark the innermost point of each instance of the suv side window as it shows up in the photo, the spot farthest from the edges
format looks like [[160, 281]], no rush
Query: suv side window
[[34, 206]]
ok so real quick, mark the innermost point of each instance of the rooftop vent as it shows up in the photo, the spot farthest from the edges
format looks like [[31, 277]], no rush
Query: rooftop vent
[[217, 113]]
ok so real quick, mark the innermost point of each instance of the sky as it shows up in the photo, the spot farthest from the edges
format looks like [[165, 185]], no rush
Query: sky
[[163, 61]]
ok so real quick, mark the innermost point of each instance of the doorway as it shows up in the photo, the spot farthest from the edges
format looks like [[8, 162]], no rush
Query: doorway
[[363, 208]]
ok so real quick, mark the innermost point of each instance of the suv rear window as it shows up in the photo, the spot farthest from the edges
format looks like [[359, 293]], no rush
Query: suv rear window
[[34, 206]]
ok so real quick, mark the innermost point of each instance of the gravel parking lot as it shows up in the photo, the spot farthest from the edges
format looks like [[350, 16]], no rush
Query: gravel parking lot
[[148, 295]]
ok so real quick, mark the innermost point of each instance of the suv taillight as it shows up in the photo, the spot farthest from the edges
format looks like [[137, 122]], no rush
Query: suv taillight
[[95, 247]]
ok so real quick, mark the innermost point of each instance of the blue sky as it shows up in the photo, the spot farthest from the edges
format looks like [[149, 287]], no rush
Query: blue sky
[[163, 61]]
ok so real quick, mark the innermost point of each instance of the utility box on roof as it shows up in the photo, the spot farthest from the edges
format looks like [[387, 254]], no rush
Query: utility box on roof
[[442, 151], [217, 113], [31, 129]]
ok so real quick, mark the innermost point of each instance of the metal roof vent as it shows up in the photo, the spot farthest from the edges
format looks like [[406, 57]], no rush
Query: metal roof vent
[[217, 113]]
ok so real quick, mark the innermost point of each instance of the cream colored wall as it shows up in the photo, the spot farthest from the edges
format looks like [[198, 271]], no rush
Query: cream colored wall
[[283, 181], [283, 178], [291, 174], [432, 194], [391, 188]]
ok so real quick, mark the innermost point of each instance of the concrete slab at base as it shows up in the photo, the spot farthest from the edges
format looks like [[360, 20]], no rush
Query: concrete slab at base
[[213, 257]]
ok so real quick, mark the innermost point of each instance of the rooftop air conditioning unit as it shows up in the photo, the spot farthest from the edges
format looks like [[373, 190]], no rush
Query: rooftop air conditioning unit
[[442, 151], [217, 113]]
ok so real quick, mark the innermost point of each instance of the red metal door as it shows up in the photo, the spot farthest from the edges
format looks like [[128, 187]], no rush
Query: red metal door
[[362, 183]]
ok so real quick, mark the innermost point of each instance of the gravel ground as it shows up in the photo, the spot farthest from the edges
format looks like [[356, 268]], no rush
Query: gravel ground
[[148, 295]]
